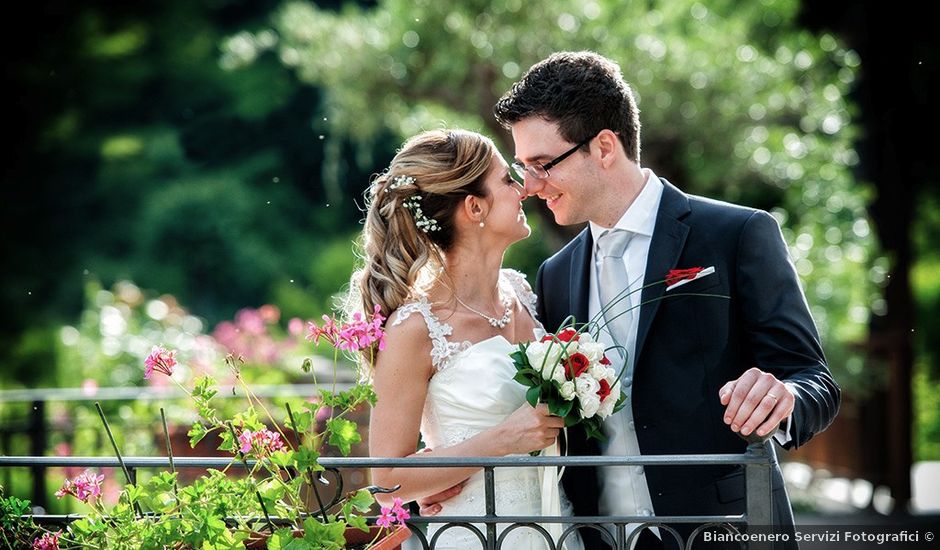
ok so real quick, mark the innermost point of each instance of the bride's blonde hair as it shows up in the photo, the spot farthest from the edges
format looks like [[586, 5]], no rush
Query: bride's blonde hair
[[435, 170]]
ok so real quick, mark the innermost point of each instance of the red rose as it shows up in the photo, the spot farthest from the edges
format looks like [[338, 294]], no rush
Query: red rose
[[604, 391], [604, 360], [567, 335], [576, 365], [676, 275]]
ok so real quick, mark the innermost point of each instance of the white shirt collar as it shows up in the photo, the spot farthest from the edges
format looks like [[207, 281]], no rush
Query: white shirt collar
[[640, 218]]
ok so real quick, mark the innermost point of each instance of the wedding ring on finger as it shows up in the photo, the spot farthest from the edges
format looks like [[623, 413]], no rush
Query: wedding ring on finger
[[772, 396]]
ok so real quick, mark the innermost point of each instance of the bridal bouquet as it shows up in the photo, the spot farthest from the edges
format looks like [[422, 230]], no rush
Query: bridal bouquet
[[569, 370]]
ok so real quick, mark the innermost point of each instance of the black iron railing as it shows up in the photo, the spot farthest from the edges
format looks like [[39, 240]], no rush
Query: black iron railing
[[36, 426], [757, 463]]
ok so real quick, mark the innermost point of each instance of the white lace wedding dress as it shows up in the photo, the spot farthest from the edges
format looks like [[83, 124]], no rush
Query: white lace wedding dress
[[472, 390]]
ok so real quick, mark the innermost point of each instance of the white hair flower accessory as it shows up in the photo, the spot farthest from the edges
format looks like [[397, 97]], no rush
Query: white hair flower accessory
[[413, 203], [423, 222], [398, 181]]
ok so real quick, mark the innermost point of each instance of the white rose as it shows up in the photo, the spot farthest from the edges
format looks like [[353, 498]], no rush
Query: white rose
[[567, 390], [598, 372], [607, 406], [535, 353], [615, 390], [572, 347], [587, 386], [589, 405], [549, 355], [556, 372], [593, 351]]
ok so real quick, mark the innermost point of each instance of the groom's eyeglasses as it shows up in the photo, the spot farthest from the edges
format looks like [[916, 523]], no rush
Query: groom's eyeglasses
[[539, 170]]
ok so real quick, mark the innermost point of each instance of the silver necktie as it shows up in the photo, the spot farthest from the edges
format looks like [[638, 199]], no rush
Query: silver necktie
[[613, 284]]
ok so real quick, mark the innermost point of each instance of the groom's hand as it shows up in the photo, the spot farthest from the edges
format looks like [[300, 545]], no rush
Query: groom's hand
[[430, 505], [756, 401]]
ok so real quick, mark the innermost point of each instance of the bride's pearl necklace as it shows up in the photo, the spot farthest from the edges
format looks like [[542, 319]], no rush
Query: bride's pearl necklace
[[496, 323]]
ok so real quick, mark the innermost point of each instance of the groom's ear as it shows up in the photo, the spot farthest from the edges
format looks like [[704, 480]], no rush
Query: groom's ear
[[609, 146]]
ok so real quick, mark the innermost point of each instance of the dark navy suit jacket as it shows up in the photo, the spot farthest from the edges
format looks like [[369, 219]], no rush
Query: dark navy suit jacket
[[688, 347]]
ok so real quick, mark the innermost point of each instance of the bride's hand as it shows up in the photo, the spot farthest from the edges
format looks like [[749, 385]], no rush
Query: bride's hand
[[529, 429]]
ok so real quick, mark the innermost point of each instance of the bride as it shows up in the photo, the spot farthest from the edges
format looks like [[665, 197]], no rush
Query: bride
[[437, 225]]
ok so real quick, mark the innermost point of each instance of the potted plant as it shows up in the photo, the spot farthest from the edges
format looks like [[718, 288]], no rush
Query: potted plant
[[281, 503]]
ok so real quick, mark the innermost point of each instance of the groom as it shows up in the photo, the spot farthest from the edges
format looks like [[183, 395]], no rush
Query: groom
[[700, 371]]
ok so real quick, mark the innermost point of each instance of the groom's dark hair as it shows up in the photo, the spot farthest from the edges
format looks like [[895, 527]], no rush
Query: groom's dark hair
[[583, 92]]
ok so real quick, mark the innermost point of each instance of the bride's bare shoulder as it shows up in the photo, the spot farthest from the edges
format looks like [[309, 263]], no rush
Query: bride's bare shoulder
[[407, 341]]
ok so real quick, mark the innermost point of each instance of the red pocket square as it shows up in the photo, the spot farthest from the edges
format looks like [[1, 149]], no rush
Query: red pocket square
[[679, 277]]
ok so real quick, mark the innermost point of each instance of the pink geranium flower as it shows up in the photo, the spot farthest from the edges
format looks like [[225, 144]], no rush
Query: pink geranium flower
[[396, 515], [159, 360], [358, 334], [329, 331], [263, 442], [84, 487], [399, 510], [49, 541], [386, 518]]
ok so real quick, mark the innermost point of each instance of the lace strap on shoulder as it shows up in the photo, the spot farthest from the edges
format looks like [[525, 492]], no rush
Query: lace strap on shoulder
[[520, 286], [437, 331]]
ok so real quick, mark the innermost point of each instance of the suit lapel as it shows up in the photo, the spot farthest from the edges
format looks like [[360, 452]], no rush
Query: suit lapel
[[666, 245]]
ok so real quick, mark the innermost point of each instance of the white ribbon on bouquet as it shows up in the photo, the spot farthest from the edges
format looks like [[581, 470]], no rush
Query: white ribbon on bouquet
[[551, 495]]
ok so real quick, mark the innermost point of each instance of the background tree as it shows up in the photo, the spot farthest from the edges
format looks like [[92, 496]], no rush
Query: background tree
[[896, 77], [137, 156]]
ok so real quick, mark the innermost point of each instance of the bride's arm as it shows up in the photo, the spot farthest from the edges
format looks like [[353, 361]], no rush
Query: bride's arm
[[401, 376]]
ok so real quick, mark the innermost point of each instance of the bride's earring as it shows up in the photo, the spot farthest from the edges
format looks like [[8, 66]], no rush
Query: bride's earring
[[482, 224]]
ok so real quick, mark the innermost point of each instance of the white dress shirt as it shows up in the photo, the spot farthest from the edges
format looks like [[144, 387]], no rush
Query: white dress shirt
[[624, 490]]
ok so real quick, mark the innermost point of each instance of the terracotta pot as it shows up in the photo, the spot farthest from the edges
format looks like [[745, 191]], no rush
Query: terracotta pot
[[390, 540], [385, 539]]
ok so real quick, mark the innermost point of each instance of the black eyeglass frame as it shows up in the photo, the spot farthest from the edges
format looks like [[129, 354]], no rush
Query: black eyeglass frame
[[534, 169]]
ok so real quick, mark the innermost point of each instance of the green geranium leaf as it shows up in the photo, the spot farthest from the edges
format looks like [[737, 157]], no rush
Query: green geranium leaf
[[306, 459], [343, 433], [280, 539], [282, 459], [203, 388], [358, 522], [361, 500], [196, 433], [364, 393], [302, 419], [226, 541], [133, 492], [328, 536], [299, 544]]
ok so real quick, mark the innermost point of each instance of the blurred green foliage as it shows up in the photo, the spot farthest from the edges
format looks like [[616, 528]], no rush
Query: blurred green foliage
[[925, 278]]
